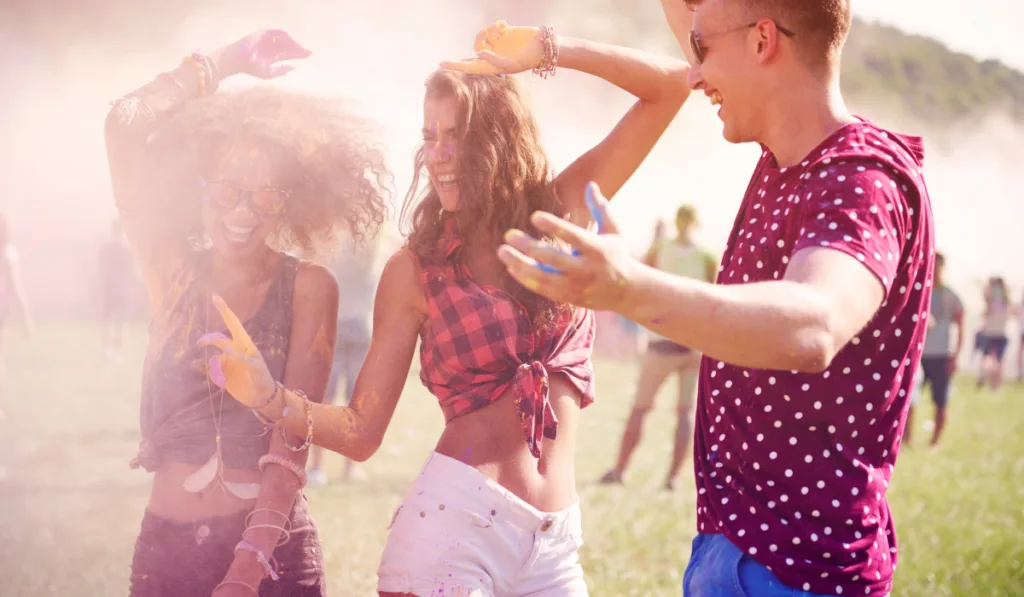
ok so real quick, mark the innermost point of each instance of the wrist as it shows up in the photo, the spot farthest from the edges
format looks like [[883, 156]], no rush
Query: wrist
[[224, 66], [274, 409], [246, 568]]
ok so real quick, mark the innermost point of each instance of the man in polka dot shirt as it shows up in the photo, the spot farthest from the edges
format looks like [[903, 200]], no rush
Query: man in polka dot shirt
[[811, 334]]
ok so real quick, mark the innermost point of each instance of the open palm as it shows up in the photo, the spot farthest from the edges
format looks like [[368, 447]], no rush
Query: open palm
[[502, 49]]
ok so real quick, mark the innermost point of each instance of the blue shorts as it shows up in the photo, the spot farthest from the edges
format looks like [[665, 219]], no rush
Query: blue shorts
[[718, 568]]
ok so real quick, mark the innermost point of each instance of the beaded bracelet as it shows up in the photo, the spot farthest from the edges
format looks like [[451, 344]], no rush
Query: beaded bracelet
[[547, 66], [205, 69], [261, 557], [309, 425]]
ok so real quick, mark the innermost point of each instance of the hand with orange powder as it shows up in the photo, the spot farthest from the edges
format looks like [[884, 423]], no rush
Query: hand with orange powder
[[239, 368], [503, 49]]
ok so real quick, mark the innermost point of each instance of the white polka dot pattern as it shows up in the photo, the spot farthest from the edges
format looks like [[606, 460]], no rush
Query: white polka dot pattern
[[793, 468]]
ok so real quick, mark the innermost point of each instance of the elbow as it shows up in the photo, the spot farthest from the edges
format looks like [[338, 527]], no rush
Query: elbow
[[814, 346], [365, 448], [814, 355]]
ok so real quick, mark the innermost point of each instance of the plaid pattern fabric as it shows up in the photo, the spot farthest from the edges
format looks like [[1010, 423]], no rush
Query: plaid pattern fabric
[[479, 341]]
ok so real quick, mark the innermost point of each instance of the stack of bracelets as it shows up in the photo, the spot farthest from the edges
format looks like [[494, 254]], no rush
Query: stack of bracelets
[[206, 71], [268, 563], [550, 60]]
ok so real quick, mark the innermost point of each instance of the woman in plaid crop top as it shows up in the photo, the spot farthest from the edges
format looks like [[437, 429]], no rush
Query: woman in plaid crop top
[[494, 510]]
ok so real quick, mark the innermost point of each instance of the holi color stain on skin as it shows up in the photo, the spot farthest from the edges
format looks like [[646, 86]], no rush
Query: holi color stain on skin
[[595, 213]]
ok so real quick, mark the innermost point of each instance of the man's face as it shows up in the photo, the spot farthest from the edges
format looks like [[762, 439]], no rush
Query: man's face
[[731, 73]]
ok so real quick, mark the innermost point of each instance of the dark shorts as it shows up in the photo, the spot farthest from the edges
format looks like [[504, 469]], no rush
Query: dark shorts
[[667, 347], [936, 375], [189, 559], [994, 346]]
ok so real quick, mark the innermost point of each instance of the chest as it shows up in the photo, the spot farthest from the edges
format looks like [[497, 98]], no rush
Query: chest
[[765, 231]]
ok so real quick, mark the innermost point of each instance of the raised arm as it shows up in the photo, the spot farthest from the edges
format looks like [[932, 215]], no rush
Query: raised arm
[[680, 21], [138, 114], [659, 83]]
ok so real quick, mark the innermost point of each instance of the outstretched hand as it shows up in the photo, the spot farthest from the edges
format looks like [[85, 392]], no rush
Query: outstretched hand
[[502, 49], [239, 368], [260, 55], [595, 275]]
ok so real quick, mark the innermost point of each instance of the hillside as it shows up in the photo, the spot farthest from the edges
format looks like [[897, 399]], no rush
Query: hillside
[[906, 76]]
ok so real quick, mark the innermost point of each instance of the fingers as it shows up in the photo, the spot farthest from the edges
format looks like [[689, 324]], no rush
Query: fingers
[[215, 339], [582, 240], [598, 206], [472, 66], [217, 371], [555, 259], [278, 70], [501, 63], [234, 325], [525, 271]]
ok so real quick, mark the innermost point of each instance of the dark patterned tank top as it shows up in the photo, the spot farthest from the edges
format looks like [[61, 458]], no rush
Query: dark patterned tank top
[[180, 406]]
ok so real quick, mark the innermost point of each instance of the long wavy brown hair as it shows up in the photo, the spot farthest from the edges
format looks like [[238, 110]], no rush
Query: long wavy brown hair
[[333, 169], [504, 175]]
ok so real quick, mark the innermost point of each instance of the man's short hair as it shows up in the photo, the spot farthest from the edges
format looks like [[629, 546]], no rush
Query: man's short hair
[[820, 27]]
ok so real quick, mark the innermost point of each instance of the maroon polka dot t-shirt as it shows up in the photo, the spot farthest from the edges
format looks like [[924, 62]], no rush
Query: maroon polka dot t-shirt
[[792, 467]]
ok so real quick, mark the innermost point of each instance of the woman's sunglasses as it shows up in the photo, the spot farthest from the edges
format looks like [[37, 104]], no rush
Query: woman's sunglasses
[[224, 196], [697, 41]]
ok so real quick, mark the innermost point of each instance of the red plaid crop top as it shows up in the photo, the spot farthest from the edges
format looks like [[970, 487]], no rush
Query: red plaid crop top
[[479, 341]]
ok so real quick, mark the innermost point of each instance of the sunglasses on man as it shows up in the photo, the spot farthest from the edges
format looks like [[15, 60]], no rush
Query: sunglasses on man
[[696, 40]]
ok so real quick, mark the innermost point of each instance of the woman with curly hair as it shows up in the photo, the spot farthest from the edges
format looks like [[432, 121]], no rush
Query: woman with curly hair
[[494, 510], [216, 193]]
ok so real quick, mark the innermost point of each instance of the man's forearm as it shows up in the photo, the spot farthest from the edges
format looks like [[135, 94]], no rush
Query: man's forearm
[[766, 325]]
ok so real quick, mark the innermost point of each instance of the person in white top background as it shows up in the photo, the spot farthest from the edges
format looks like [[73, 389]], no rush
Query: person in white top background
[[12, 295], [682, 256]]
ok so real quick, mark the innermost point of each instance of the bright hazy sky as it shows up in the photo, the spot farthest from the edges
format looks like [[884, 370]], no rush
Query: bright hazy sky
[[983, 28]]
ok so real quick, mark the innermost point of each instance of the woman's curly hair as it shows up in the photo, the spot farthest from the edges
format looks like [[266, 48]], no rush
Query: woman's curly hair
[[333, 170], [504, 174]]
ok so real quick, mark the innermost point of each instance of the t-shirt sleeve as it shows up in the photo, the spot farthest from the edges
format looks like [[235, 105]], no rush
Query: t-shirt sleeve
[[858, 209]]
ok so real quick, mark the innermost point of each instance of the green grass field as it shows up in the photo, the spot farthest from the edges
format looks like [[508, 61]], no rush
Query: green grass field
[[70, 507]]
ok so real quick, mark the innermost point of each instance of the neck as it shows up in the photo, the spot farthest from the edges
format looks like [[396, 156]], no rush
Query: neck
[[684, 240], [804, 119], [248, 270]]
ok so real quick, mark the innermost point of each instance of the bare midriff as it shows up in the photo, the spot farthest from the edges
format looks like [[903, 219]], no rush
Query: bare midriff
[[169, 500], [491, 440]]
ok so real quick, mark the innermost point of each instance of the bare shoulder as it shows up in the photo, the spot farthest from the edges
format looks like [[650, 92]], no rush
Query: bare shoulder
[[400, 282], [314, 283]]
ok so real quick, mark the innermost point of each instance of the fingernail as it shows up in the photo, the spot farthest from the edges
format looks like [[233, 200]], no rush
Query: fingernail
[[514, 235], [207, 337], [217, 373], [548, 268]]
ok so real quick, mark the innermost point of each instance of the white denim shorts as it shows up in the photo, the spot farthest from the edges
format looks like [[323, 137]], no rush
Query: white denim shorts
[[458, 532]]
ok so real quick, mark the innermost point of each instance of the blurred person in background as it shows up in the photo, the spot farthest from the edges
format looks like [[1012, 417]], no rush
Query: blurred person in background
[[494, 511], [994, 340], [1020, 346], [664, 358], [216, 192], [12, 296], [354, 270], [117, 277], [940, 353]]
